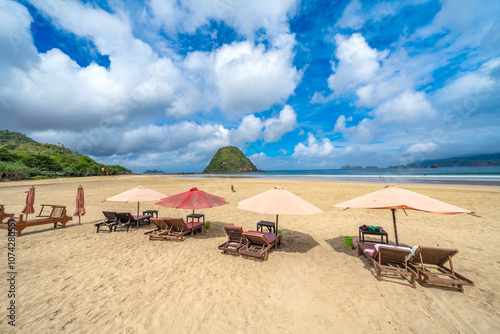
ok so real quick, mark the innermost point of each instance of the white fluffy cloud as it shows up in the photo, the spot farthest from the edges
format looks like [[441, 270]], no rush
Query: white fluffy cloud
[[313, 148], [246, 17], [253, 128], [250, 79], [421, 148], [357, 64], [363, 132], [275, 128], [406, 108]]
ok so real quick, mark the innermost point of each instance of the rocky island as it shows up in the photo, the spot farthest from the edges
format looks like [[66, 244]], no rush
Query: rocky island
[[230, 160]]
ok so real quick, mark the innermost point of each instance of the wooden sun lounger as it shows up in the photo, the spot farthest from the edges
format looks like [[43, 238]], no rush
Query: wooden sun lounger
[[110, 221], [180, 228], [429, 263], [389, 259], [162, 230], [57, 216], [259, 244], [4, 215], [126, 218], [235, 240]]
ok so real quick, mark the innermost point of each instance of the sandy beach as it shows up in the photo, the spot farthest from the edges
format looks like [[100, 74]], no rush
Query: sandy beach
[[75, 280]]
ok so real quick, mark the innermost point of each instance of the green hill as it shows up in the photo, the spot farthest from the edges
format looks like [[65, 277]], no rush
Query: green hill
[[21, 157], [230, 160]]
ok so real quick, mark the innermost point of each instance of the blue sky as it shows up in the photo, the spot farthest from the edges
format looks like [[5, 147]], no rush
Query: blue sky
[[294, 84]]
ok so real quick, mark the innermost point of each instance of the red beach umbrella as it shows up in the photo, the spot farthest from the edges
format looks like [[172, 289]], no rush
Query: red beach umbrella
[[192, 199], [30, 200], [80, 203]]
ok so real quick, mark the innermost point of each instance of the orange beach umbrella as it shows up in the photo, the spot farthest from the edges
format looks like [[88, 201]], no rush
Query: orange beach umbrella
[[394, 198]]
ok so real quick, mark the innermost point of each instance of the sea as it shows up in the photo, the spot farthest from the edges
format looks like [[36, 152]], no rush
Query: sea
[[441, 175]]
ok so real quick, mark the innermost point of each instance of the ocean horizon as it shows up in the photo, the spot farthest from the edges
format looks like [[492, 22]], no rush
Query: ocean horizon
[[440, 175]]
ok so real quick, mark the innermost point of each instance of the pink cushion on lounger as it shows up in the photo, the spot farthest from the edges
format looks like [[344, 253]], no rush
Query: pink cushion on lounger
[[259, 234], [368, 248], [269, 237]]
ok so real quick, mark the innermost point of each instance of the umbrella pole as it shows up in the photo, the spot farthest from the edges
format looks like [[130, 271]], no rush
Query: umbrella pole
[[137, 215], [395, 228], [192, 224], [276, 232], [79, 222]]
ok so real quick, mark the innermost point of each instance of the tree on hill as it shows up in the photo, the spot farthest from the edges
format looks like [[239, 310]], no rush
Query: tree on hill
[[230, 160], [21, 157]]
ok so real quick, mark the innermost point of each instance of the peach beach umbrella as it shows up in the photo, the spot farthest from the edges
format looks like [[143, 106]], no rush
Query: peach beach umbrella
[[30, 200], [192, 199], [278, 201], [139, 194], [80, 203], [394, 198]]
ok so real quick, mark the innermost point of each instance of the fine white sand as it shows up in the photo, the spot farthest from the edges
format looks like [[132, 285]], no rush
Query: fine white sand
[[75, 280]]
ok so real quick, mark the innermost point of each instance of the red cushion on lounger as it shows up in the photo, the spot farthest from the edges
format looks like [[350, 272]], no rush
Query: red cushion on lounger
[[236, 228], [196, 225]]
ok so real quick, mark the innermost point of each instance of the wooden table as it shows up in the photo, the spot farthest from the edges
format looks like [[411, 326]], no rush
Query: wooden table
[[381, 233], [270, 226], [195, 215]]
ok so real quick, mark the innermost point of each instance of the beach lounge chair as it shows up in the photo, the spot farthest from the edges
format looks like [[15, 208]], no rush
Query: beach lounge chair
[[110, 221], [56, 216], [4, 215], [389, 259], [161, 231], [235, 240], [429, 263], [126, 218], [258, 244], [180, 228]]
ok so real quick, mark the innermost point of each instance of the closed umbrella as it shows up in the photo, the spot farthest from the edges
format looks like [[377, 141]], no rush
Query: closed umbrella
[[30, 200], [139, 194], [80, 203], [192, 199], [278, 201], [394, 198]]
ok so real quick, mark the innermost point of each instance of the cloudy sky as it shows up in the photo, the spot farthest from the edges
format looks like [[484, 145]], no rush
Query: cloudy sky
[[162, 84]]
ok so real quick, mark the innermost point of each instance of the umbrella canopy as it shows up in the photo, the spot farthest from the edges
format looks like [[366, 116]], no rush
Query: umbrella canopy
[[30, 200], [139, 194], [278, 201], [192, 199], [394, 198], [80, 203]]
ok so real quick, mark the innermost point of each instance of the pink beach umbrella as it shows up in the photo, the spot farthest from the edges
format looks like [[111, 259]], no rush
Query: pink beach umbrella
[[30, 200], [80, 203], [278, 201], [394, 198], [192, 199], [139, 194]]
